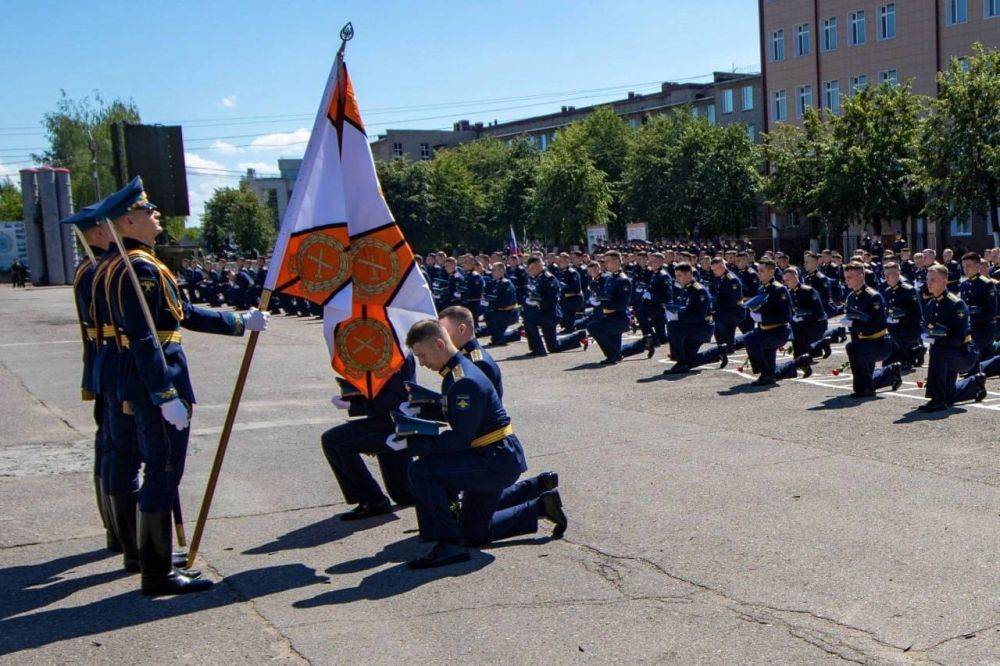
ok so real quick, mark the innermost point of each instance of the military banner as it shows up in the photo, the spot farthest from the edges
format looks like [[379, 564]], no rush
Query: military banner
[[340, 247]]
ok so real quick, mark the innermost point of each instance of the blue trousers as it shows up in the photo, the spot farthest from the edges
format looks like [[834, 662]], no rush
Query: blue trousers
[[121, 461], [863, 355], [943, 368], [687, 339], [497, 324], [569, 315], [807, 336], [990, 367], [482, 476], [553, 343], [762, 346], [607, 333], [904, 341], [983, 336], [163, 450], [343, 446]]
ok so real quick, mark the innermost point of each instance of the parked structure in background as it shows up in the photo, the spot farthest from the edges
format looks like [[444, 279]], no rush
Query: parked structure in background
[[51, 247], [814, 52]]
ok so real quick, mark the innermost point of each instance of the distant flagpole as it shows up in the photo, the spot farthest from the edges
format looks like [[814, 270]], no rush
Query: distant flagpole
[[346, 34]]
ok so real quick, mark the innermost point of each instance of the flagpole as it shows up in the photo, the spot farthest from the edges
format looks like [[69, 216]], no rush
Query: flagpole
[[346, 34]]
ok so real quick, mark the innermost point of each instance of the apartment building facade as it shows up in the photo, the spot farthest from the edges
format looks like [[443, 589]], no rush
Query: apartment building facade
[[815, 52]]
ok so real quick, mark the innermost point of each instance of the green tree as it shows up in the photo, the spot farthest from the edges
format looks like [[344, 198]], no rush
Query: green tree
[[457, 205], [406, 186], [798, 156], [11, 203], [70, 128], [234, 214], [570, 191], [873, 170], [961, 139], [608, 140]]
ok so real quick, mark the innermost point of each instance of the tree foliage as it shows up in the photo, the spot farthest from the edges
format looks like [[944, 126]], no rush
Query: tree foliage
[[11, 202], [235, 219]]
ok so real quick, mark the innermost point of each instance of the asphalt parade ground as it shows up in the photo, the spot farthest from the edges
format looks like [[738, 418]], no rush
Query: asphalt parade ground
[[710, 521]]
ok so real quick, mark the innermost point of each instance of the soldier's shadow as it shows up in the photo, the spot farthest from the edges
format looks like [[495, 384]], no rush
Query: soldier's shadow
[[131, 609], [319, 533], [395, 580], [662, 377], [32, 586], [915, 416], [593, 365], [841, 402], [745, 387]]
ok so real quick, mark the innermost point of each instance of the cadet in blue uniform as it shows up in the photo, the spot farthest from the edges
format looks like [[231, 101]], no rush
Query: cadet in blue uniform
[[661, 292], [980, 295], [905, 319], [83, 280], [612, 299], [870, 341], [157, 387], [479, 456], [501, 308], [344, 444], [471, 287], [727, 296], [750, 284], [690, 323], [808, 328], [571, 290], [946, 317], [772, 311], [541, 311]]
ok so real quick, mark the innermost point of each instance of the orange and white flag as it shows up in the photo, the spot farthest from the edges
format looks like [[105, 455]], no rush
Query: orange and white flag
[[340, 247]]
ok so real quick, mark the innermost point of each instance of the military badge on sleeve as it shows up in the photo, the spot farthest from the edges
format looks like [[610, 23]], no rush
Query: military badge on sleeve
[[462, 403]]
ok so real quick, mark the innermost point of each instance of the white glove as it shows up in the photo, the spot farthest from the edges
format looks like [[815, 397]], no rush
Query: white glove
[[646, 296], [395, 444], [796, 318], [672, 316], [595, 301], [890, 320], [176, 414], [756, 316], [340, 403], [484, 303], [532, 302], [408, 409], [255, 320]]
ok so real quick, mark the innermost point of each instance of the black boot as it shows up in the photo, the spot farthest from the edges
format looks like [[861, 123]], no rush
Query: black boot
[[548, 481], [826, 348], [918, 355], [897, 375], [804, 363], [550, 508], [122, 511], [104, 508], [159, 576]]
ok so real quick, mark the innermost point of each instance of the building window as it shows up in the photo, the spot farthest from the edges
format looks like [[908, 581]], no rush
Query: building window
[[711, 114], [727, 101], [858, 83], [958, 11], [802, 39], [830, 34], [397, 150], [964, 63], [888, 76], [543, 141], [961, 226], [791, 220], [887, 21], [991, 8], [780, 106], [804, 100], [858, 28], [777, 46], [425, 151], [831, 96], [752, 133], [633, 123], [748, 96]]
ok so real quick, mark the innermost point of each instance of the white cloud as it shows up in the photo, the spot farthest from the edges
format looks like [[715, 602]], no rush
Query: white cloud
[[196, 161], [224, 147], [229, 101], [200, 189], [260, 167], [11, 171], [281, 140]]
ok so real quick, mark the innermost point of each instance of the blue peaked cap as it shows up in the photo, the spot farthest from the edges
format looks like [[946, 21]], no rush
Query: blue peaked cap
[[84, 219], [117, 204]]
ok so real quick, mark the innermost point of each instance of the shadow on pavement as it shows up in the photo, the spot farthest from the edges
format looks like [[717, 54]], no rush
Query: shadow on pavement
[[668, 378], [34, 586], [319, 533], [746, 387], [841, 402], [132, 609], [395, 580], [914, 416], [586, 366]]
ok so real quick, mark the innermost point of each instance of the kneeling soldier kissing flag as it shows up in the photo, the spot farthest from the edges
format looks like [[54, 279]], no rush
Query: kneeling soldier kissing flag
[[340, 247]]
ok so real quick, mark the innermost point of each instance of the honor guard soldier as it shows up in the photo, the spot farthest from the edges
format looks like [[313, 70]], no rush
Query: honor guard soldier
[[571, 300], [83, 281], [690, 324], [156, 385], [480, 456], [344, 444], [771, 310], [980, 295], [501, 308], [541, 311], [870, 342], [904, 318], [612, 298]]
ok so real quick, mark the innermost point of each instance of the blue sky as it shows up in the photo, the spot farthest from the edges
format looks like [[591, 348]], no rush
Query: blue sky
[[244, 78]]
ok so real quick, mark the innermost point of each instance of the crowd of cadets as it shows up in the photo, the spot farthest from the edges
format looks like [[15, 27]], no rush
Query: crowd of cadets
[[237, 283], [705, 300]]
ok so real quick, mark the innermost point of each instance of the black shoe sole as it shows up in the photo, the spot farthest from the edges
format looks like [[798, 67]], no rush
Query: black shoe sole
[[433, 564]]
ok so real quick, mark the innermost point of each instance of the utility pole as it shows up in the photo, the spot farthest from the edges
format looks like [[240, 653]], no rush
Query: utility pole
[[93, 165]]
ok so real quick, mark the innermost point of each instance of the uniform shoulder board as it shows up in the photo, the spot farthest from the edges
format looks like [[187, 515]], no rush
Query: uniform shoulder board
[[696, 285], [622, 274], [870, 291], [476, 355], [805, 287], [953, 298], [457, 373], [906, 285]]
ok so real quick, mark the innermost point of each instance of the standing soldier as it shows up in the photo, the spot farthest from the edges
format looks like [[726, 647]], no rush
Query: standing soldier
[[156, 385], [83, 279], [870, 343], [946, 317], [541, 311]]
